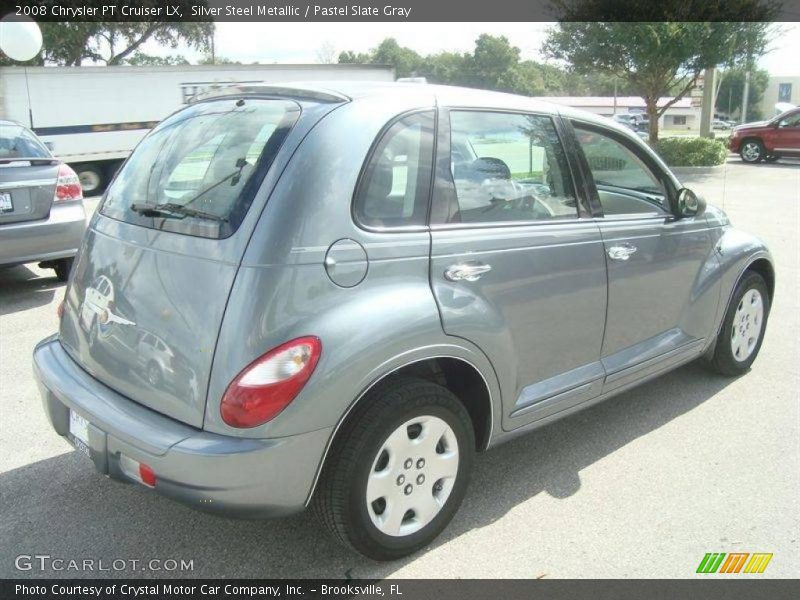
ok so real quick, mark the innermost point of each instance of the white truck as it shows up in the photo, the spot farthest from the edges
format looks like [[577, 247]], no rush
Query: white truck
[[92, 117]]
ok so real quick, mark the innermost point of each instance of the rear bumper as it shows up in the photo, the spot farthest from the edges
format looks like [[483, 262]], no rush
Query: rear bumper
[[57, 236], [215, 473]]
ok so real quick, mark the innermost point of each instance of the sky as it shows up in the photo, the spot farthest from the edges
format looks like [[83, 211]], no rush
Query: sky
[[301, 42]]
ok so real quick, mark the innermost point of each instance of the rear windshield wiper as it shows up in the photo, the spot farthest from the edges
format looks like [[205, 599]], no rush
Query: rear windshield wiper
[[174, 210]]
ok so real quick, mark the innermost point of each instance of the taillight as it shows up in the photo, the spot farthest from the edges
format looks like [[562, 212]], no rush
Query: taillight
[[68, 186], [268, 384]]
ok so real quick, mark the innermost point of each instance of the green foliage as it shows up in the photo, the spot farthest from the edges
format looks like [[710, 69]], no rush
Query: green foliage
[[731, 92], [72, 43], [691, 152], [494, 64], [145, 60], [658, 55]]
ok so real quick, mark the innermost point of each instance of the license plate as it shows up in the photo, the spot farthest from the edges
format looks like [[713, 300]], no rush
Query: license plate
[[79, 432], [5, 202]]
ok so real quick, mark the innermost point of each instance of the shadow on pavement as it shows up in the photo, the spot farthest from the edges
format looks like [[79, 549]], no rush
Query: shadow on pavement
[[61, 507], [21, 289]]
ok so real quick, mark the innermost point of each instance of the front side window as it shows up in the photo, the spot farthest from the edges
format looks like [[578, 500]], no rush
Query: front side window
[[790, 121], [197, 171], [508, 167], [625, 184], [18, 142], [395, 186]]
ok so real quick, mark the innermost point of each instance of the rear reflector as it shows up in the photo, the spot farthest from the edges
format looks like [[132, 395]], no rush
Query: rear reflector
[[68, 186], [137, 471], [268, 384]]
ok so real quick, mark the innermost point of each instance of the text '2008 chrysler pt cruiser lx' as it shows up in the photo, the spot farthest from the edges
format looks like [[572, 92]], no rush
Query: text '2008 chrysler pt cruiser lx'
[[333, 296]]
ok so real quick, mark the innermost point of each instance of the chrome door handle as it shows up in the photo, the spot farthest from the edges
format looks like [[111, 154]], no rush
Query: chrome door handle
[[468, 271], [621, 252]]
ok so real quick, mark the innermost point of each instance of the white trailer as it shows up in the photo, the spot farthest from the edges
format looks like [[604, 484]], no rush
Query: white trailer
[[92, 117]]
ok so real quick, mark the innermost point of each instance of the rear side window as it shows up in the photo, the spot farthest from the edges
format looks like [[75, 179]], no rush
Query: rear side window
[[395, 185], [197, 172], [17, 142], [508, 167]]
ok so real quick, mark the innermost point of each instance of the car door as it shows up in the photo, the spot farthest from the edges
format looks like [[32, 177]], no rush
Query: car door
[[661, 296], [785, 137], [517, 263]]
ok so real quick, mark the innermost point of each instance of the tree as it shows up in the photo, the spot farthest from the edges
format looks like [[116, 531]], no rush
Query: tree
[[146, 60], [731, 91], [326, 54], [404, 60], [493, 63], [657, 56], [72, 43]]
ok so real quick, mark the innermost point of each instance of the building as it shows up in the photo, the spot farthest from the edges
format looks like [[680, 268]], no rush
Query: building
[[780, 89], [682, 115]]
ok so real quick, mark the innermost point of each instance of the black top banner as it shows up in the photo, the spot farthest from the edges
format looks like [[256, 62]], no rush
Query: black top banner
[[404, 10]]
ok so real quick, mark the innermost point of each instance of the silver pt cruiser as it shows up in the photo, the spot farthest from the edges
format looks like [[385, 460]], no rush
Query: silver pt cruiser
[[334, 295]]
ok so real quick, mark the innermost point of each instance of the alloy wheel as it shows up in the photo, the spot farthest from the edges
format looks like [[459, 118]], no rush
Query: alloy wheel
[[751, 152]]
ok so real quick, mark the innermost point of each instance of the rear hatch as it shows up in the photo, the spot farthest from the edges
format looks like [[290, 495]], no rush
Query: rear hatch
[[152, 280], [28, 175]]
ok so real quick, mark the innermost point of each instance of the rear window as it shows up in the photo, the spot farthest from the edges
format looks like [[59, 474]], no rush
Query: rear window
[[196, 173], [18, 142]]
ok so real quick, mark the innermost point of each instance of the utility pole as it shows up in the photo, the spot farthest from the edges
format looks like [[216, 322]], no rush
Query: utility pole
[[745, 94], [615, 95], [707, 107]]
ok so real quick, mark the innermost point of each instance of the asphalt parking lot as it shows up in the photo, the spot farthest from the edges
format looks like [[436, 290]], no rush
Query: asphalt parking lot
[[640, 486]]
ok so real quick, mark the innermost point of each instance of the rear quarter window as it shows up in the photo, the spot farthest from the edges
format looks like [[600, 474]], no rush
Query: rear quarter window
[[197, 172]]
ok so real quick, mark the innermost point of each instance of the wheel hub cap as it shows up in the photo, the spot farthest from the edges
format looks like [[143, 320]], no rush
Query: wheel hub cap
[[747, 324], [412, 476], [750, 151]]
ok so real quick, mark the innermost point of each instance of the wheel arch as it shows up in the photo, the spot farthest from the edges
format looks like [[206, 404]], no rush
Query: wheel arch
[[763, 267], [457, 374]]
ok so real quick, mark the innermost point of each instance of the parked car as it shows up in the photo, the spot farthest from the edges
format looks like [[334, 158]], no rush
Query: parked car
[[41, 203], [768, 140], [361, 323], [720, 124], [634, 123]]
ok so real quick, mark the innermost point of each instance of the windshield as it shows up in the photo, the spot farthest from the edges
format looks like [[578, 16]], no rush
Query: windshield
[[17, 142], [197, 172]]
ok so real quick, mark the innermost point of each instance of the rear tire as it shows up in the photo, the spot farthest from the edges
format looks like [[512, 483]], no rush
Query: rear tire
[[63, 267], [92, 178], [752, 151], [398, 471], [743, 327]]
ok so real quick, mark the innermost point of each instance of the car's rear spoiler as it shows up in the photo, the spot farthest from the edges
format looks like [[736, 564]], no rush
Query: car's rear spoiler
[[275, 91], [33, 160]]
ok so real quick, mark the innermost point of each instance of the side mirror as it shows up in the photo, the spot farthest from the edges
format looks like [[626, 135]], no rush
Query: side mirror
[[49, 146], [690, 204]]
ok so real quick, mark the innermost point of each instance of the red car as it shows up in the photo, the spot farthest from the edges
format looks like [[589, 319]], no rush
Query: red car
[[768, 140]]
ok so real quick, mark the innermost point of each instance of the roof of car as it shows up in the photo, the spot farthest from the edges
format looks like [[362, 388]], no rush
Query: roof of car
[[419, 93]]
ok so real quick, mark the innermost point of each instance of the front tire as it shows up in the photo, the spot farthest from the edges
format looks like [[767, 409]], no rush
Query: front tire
[[743, 327], [752, 151], [398, 471]]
